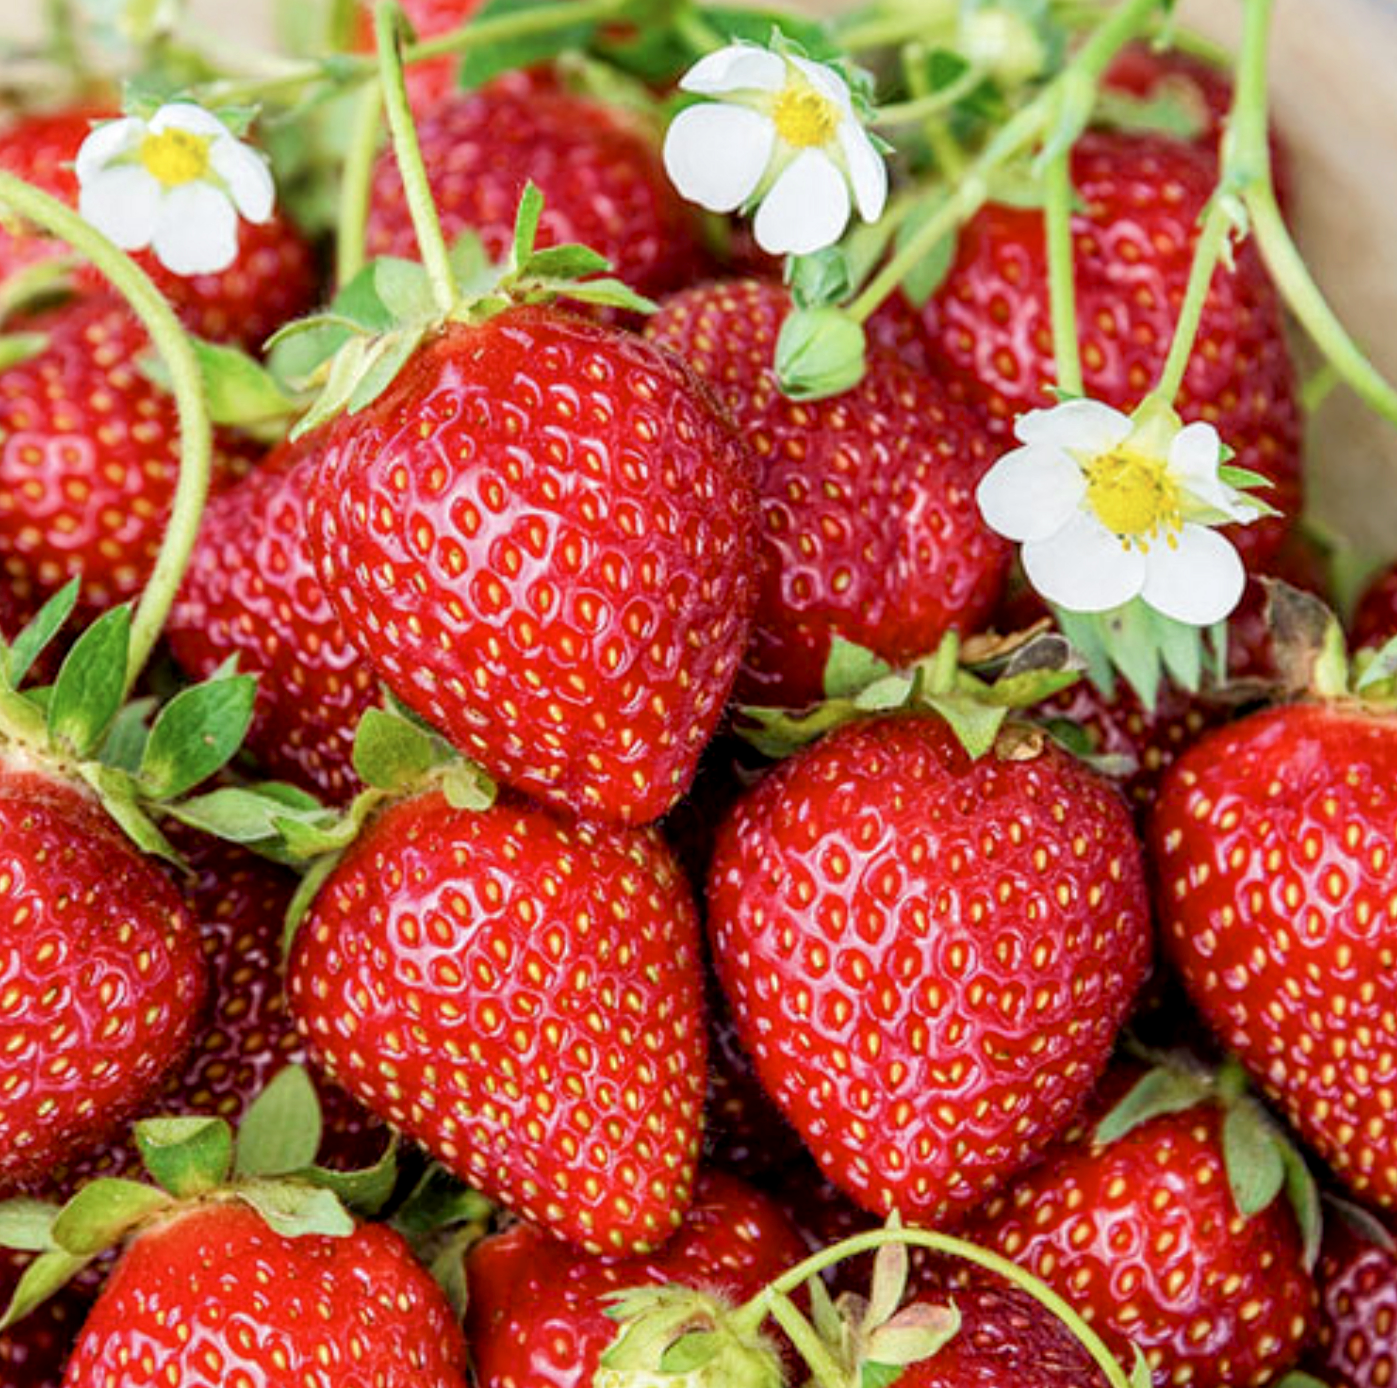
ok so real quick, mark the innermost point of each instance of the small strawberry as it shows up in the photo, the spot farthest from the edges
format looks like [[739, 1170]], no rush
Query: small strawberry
[[602, 181], [1165, 1236], [1357, 1276], [1142, 197], [524, 998], [870, 529], [928, 956], [251, 590], [536, 1315]]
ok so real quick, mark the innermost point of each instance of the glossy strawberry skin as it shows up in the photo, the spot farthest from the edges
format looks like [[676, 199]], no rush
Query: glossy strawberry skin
[[542, 538], [1271, 843], [1142, 1236], [103, 979], [251, 591], [602, 182], [988, 324], [869, 525], [928, 958], [536, 1317], [1357, 1341], [523, 997], [273, 280], [213, 1298]]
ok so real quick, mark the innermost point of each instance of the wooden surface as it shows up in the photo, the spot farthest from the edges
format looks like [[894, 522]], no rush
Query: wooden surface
[[1336, 100]]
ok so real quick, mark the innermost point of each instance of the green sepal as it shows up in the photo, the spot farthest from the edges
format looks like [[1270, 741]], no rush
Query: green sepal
[[928, 274], [441, 1201], [392, 752], [36, 636], [1163, 1090], [1297, 1379], [90, 683], [1302, 1193], [1309, 650], [567, 262], [294, 1210], [1139, 643], [248, 814], [526, 219], [1141, 1375], [1172, 109], [50, 1272], [913, 1334], [280, 1132], [97, 1217], [818, 279], [976, 725], [448, 1269], [239, 390], [16, 348], [186, 1156], [606, 292], [27, 1224], [1375, 668], [691, 1352], [121, 800], [196, 734], [888, 1286], [485, 61], [875, 1375], [819, 353], [850, 668], [365, 1191], [466, 786], [1251, 1154], [125, 742], [306, 891]]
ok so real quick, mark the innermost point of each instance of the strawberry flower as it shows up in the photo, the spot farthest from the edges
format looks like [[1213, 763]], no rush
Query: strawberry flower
[[1109, 508], [176, 183], [783, 136]]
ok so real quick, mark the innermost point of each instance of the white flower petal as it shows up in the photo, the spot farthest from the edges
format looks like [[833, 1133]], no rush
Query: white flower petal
[[1195, 454], [1030, 493], [185, 115], [738, 67], [715, 154], [1197, 580], [1085, 427], [123, 203], [247, 176], [826, 81], [1083, 567], [807, 208], [867, 171], [197, 231], [107, 142]]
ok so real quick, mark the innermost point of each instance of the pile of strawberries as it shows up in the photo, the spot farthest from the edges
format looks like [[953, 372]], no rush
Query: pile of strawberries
[[485, 1006]]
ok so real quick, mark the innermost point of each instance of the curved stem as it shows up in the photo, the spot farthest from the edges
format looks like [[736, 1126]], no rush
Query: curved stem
[[1062, 287], [1212, 240], [186, 383], [356, 183], [388, 22], [920, 107]]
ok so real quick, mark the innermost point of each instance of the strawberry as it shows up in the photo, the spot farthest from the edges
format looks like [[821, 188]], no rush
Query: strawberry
[[541, 536], [212, 1294], [536, 1315], [435, 79], [524, 998], [1271, 848], [32, 1353], [273, 280], [1357, 1342], [1142, 196], [928, 956], [1134, 1217], [104, 980], [89, 456], [602, 181], [1375, 617], [251, 591], [870, 529]]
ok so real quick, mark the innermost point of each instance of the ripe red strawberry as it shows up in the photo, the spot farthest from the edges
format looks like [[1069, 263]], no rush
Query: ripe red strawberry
[[603, 182], [1142, 1234], [928, 957], [430, 81], [1272, 850], [536, 1313], [524, 998], [89, 456], [542, 538], [1142, 197], [252, 591], [870, 528], [103, 977], [211, 1295], [273, 280], [1375, 617], [1357, 1276]]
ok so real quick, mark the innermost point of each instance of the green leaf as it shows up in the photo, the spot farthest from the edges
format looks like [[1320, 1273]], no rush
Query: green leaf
[[874, 1375], [360, 303], [569, 262], [1140, 1375], [850, 668], [526, 220], [691, 1352], [392, 753], [36, 636], [404, 288], [1180, 648], [239, 390], [1296, 1379], [975, 723], [306, 892], [1251, 1154], [818, 279], [1377, 667], [125, 742], [119, 798], [467, 786], [928, 274], [383, 361], [26, 1224], [441, 1201], [1302, 1192], [346, 367], [889, 1285], [1163, 1090], [247, 814], [299, 354], [187, 1156], [757, 25], [90, 684], [914, 1334], [607, 292], [47, 1274], [101, 1212], [448, 1271], [196, 734], [295, 1210], [365, 1191], [524, 51], [280, 1131], [819, 353]]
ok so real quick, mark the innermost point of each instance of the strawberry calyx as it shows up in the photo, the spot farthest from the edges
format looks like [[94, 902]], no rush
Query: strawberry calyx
[[269, 1165], [442, 1219]]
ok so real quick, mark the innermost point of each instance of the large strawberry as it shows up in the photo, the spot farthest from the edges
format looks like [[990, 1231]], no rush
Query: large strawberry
[[1141, 199], [541, 536], [928, 956], [524, 998], [869, 525], [536, 1314], [251, 591], [1357, 1273]]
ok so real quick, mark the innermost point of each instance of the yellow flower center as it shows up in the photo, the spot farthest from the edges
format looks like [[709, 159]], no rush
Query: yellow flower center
[[1133, 496], [803, 117], [176, 156]]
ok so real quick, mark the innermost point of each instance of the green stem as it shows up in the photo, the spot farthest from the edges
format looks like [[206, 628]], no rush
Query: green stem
[[696, 31], [1212, 240], [1062, 288], [933, 103], [63, 45], [186, 383], [824, 1367], [749, 1316], [388, 22], [935, 25], [356, 183]]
